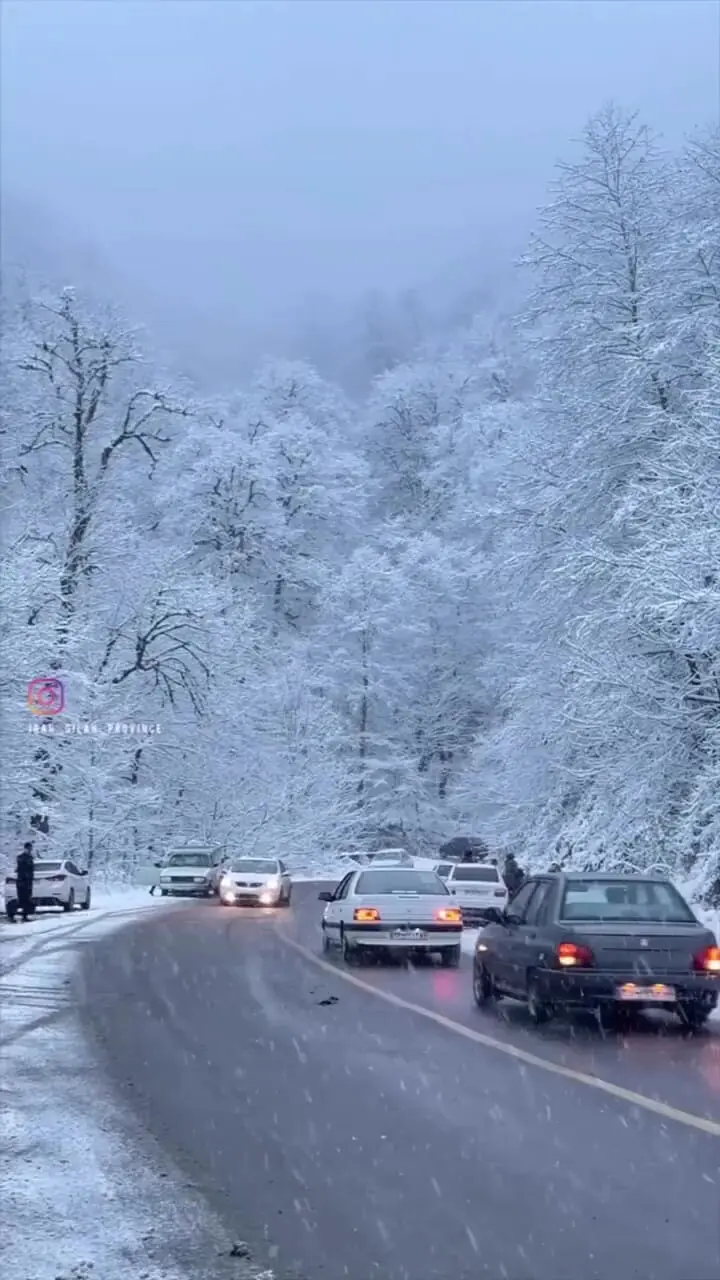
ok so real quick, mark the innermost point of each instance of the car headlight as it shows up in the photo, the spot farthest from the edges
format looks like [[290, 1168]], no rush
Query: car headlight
[[226, 883], [199, 879], [273, 882]]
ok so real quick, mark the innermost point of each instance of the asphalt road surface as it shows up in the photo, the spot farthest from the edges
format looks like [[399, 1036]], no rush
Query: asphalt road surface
[[348, 1138]]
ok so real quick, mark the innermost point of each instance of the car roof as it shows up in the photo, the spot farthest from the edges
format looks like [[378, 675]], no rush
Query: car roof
[[392, 870], [610, 876]]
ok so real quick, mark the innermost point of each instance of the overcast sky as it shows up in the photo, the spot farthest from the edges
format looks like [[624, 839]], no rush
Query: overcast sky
[[245, 151]]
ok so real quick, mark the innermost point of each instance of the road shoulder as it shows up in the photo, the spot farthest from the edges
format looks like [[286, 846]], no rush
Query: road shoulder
[[89, 1195]]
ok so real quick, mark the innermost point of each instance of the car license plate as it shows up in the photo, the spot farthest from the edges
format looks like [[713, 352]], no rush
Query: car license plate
[[410, 934], [658, 991]]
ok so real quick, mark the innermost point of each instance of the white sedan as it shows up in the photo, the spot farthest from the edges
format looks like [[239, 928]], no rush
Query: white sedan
[[255, 882], [55, 884], [390, 910]]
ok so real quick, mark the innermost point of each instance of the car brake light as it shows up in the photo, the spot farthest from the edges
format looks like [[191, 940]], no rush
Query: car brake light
[[708, 961], [366, 915], [447, 915], [573, 955]]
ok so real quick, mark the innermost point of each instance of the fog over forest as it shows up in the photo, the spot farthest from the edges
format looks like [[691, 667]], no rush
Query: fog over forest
[[361, 426]]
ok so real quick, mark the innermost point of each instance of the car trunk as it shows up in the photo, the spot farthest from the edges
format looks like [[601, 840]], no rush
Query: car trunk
[[653, 948], [406, 908], [48, 882], [477, 893]]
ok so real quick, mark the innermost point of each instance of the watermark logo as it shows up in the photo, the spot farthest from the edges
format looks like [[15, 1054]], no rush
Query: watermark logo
[[46, 696]]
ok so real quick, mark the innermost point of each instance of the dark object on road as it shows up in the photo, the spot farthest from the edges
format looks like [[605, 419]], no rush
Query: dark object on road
[[465, 848], [25, 874], [329, 1000], [600, 942], [513, 874], [241, 1250]]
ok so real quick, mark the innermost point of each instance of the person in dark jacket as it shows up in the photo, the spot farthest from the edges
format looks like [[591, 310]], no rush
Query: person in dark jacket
[[513, 874], [25, 875]]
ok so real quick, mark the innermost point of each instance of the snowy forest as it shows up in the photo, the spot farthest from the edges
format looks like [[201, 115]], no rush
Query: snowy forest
[[484, 599]]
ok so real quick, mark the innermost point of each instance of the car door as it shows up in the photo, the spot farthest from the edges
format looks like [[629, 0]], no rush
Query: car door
[[332, 916], [509, 944], [530, 938]]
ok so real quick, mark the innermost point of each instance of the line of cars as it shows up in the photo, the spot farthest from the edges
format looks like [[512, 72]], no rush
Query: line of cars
[[564, 941], [206, 872]]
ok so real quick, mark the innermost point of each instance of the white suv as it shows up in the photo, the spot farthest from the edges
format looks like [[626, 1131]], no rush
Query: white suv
[[55, 884]]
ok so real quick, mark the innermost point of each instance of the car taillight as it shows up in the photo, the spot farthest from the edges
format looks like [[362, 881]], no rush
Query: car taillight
[[366, 915], [447, 915], [573, 955], [708, 960], [499, 893], [57, 879]]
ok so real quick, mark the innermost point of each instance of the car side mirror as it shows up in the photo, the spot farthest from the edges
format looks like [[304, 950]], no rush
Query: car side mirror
[[325, 897]]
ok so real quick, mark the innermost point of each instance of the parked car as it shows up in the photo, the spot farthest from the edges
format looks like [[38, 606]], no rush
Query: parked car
[[190, 872], [57, 883], [259, 882], [390, 910], [477, 887], [600, 942]]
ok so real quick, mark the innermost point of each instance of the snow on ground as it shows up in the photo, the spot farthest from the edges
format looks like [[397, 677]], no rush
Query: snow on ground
[[89, 1196]]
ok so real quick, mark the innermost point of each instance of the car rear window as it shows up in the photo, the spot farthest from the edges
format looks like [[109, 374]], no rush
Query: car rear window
[[485, 875], [48, 866], [256, 866], [189, 860], [444, 870], [374, 882], [617, 900]]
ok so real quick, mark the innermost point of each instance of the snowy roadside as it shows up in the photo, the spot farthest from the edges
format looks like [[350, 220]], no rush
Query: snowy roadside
[[89, 1196]]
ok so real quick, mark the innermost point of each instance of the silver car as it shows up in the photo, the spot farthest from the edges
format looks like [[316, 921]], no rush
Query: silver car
[[255, 882], [392, 910]]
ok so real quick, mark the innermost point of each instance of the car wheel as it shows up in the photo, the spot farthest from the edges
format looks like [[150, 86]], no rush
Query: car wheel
[[86, 903], [538, 1009], [483, 987], [693, 1014], [325, 940], [11, 912], [451, 956], [287, 900], [70, 904], [350, 954]]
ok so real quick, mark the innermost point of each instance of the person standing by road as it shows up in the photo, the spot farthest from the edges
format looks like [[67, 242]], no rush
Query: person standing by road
[[25, 875], [513, 874]]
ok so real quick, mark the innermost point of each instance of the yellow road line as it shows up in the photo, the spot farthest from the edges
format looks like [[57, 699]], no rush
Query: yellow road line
[[663, 1109]]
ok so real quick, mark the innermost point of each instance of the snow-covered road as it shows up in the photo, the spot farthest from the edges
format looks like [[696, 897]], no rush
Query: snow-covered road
[[89, 1195], [373, 1124]]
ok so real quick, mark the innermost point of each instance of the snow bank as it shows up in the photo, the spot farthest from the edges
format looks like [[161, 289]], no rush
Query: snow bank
[[90, 1196]]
